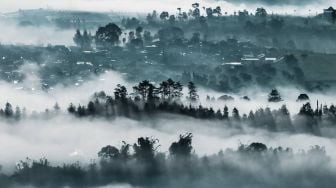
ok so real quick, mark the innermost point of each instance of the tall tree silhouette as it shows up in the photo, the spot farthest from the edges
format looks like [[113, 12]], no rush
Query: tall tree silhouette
[[193, 96], [108, 35]]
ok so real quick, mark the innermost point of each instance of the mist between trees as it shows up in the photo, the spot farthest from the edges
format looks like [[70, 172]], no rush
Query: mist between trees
[[148, 101], [141, 164]]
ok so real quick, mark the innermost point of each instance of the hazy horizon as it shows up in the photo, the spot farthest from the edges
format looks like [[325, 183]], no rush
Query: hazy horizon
[[142, 6]]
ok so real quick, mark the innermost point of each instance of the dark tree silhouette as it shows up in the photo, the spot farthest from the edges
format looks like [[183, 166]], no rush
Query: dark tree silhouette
[[9, 110], [261, 12], [183, 147], [78, 38], [170, 34], [120, 92], [145, 149], [108, 35], [235, 114], [274, 96], [164, 15], [109, 152], [145, 90], [193, 96], [303, 97]]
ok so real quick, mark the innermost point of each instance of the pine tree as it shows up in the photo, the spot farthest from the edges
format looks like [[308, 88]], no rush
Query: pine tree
[[9, 110], [235, 114], [78, 39], [193, 96], [274, 96]]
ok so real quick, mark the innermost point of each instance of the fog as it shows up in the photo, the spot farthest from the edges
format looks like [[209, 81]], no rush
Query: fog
[[29, 94], [222, 152], [259, 99], [64, 138], [13, 34]]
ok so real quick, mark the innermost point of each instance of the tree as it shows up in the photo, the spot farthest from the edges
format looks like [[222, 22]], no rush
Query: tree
[[170, 34], [71, 108], [196, 13], [307, 110], [184, 16], [17, 114], [131, 36], [283, 119], [151, 18], [9, 110], [145, 89], [217, 11], [120, 92], [274, 96], [57, 107], [209, 12], [177, 93], [91, 108], [172, 19], [109, 152], [138, 32], [86, 40], [147, 36], [193, 96], [303, 97], [226, 113], [308, 122], [257, 147], [130, 22], [164, 90], [78, 39], [235, 114], [164, 15], [261, 12], [183, 147], [108, 35], [144, 149]]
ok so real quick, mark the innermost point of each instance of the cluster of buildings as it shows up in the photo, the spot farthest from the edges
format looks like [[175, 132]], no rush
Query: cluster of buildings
[[252, 59]]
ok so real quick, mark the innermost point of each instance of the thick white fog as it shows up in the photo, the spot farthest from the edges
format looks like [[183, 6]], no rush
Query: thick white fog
[[11, 33], [30, 95], [66, 138], [40, 131]]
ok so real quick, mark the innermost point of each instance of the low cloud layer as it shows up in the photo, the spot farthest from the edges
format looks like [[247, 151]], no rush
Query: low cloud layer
[[65, 139], [13, 34]]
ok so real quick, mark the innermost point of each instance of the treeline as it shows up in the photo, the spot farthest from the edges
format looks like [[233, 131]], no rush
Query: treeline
[[15, 114], [147, 100], [141, 164]]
